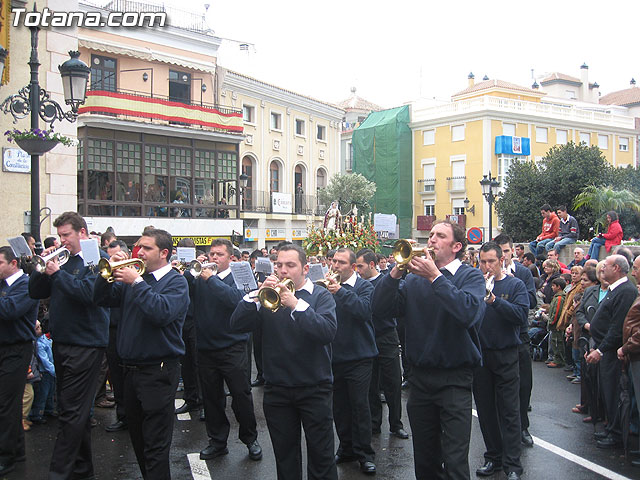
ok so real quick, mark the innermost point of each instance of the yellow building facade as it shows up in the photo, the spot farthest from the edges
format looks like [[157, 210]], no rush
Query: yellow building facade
[[488, 126]]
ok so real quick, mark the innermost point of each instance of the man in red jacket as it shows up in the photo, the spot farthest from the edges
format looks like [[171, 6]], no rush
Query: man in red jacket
[[550, 229]]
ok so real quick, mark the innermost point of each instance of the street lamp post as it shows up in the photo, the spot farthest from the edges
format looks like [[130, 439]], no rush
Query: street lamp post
[[35, 101], [489, 188]]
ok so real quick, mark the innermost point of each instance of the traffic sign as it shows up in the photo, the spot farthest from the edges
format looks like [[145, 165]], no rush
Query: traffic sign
[[474, 235]]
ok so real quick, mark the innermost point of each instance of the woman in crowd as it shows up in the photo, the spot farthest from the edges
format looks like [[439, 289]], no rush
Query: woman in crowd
[[611, 238], [551, 270]]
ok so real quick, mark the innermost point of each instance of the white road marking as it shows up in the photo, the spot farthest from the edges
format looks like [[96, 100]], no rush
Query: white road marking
[[594, 467], [181, 416], [199, 468]]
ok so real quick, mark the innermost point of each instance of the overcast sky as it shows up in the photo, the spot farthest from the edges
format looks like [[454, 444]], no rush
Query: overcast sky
[[398, 51]]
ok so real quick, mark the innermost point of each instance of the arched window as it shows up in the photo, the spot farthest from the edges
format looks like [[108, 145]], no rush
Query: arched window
[[321, 178], [247, 197], [274, 176]]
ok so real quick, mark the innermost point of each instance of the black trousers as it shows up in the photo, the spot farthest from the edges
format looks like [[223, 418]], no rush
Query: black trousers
[[116, 375], [285, 409], [190, 378], [14, 366], [386, 375], [217, 367], [256, 343], [76, 371], [406, 366], [525, 369], [351, 413], [439, 409], [149, 393], [496, 388], [609, 376]]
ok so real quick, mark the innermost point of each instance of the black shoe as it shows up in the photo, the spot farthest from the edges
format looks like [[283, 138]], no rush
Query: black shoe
[[117, 426], [488, 469], [94, 422], [400, 433], [634, 452], [513, 476], [258, 382], [345, 459], [213, 452], [405, 384], [6, 467], [255, 450], [53, 414], [600, 435], [202, 419], [608, 442], [187, 407], [368, 468], [526, 438]]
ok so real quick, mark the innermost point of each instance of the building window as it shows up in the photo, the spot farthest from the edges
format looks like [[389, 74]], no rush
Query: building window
[[570, 94], [509, 129], [561, 137], [541, 134], [457, 133], [504, 164], [458, 210], [179, 86], [429, 177], [249, 113], [103, 73], [349, 158], [321, 179], [300, 127], [585, 138], [321, 133], [274, 177], [429, 209], [603, 142], [457, 180], [276, 121], [429, 137], [624, 144]]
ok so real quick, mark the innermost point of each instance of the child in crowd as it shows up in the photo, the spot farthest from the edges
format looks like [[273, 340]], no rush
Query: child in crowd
[[44, 388], [33, 376], [556, 340]]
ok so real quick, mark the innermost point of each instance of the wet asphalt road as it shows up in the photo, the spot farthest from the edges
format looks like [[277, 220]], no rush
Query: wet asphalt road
[[551, 421]]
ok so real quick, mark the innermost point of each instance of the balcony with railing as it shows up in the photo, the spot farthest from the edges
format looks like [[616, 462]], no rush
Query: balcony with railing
[[456, 184], [427, 185], [260, 201], [139, 107]]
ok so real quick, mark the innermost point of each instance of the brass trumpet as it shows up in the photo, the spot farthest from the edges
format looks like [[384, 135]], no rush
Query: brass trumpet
[[490, 283], [106, 268], [404, 251], [270, 297], [40, 263], [324, 282], [194, 267]]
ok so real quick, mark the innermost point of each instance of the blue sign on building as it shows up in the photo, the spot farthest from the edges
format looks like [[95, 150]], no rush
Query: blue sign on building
[[508, 145]]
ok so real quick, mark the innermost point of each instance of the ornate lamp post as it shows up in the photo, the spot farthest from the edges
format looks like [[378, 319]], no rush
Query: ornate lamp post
[[489, 188], [35, 101]]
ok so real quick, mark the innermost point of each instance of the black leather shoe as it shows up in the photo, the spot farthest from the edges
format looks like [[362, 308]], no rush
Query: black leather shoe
[[513, 476], [117, 426], [608, 442], [526, 438], [213, 452], [255, 450], [600, 435], [368, 468], [258, 382], [400, 433], [345, 459], [187, 407], [488, 469], [6, 467]]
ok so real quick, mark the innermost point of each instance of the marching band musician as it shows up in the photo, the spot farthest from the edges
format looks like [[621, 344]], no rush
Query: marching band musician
[[297, 366], [354, 348], [150, 344], [222, 354], [18, 314], [442, 302], [80, 333], [496, 383]]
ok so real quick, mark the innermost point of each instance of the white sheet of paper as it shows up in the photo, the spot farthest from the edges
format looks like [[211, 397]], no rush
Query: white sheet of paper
[[90, 251], [19, 246], [186, 254], [315, 272], [243, 276], [263, 265]]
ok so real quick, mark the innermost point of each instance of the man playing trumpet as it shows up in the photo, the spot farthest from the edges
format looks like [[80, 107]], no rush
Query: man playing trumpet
[[297, 366]]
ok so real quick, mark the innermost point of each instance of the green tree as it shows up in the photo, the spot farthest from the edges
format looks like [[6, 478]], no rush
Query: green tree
[[601, 200], [348, 189]]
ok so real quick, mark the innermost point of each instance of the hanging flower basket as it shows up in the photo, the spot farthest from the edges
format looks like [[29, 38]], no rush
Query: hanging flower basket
[[36, 141], [36, 146]]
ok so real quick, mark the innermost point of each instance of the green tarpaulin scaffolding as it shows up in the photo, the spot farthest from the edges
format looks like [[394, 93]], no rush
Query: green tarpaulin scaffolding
[[382, 154]]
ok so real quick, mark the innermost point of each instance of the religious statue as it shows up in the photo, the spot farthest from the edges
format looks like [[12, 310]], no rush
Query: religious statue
[[332, 217]]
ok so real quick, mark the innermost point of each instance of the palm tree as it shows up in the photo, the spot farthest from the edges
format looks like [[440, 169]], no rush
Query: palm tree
[[604, 199]]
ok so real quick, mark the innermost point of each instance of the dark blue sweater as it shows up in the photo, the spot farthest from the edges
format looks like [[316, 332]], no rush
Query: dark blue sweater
[[296, 352], [214, 301], [150, 329], [355, 338], [504, 318], [74, 318], [18, 313], [442, 318], [524, 274], [382, 323]]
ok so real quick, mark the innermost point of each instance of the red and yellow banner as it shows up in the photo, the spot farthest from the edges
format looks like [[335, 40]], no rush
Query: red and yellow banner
[[99, 101]]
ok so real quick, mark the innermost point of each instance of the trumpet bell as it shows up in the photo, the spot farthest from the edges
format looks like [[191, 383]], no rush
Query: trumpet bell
[[40, 263], [404, 251], [106, 268], [270, 297], [324, 282]]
